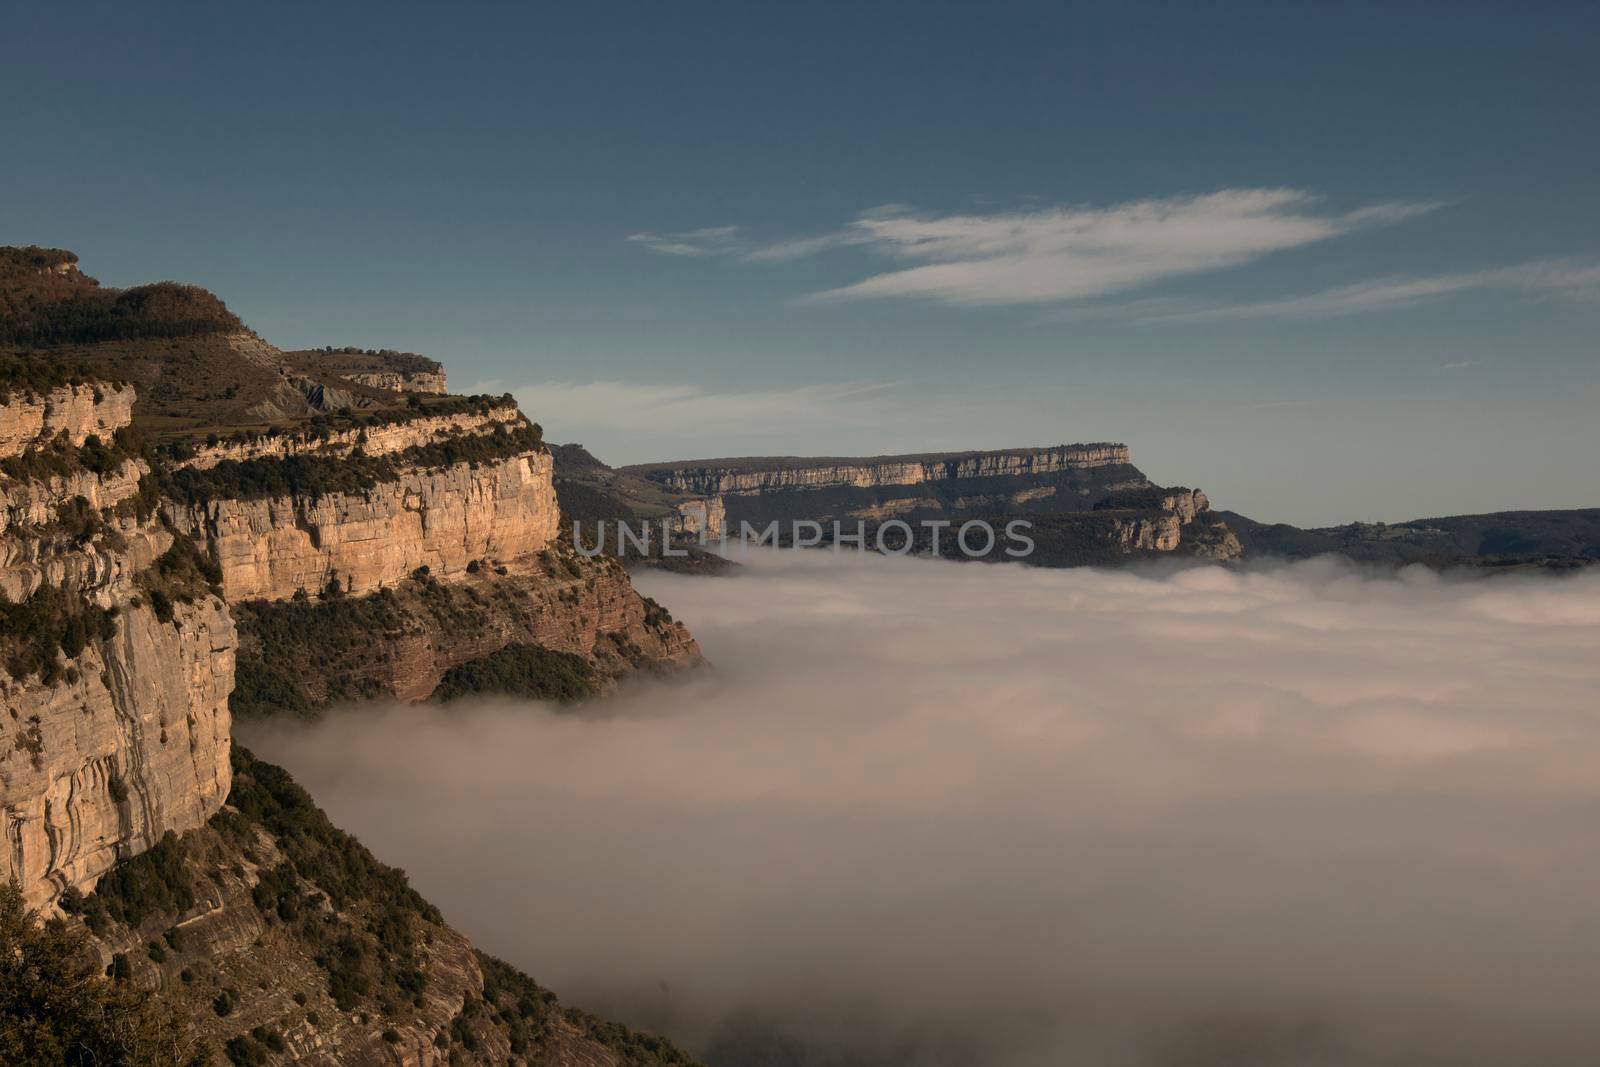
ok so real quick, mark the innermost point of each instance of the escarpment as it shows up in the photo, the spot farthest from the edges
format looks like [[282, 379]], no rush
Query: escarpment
[[273, 547], [118, 656], [191, 518], [79, 411], [1092, 503], [756, 476]]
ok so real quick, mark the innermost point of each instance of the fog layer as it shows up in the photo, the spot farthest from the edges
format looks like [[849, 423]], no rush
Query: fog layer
[[937, 813]]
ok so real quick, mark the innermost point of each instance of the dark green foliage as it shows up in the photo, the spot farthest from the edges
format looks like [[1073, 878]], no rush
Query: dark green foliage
[[38, 375], [311, 477], [59, 458], [332, 860], [521, 670], [90, 316], [50, 622], [157, 880], [56, 1012], [246, 1051], [282, 643]]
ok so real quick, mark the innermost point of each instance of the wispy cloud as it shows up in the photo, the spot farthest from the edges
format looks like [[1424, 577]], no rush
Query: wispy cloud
[[1556, 277], [1458, 364], [1056, 255], [712, 240]]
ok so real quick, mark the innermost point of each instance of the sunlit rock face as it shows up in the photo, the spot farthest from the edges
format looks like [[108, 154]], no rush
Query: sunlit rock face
[[270, 548], [109, 743], [79, 411]]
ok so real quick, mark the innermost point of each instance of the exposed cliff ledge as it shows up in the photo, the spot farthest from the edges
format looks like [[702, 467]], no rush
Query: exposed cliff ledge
[[396, 382], [271, 548], [79, 411], [743, 476], [379, 439], [298, 657]]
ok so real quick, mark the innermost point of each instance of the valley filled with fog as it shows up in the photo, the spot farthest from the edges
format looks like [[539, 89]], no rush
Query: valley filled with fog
[[931, 813]]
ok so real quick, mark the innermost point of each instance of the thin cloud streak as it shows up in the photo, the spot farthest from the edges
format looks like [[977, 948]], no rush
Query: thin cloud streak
[[1562, 278], [1062, 254]]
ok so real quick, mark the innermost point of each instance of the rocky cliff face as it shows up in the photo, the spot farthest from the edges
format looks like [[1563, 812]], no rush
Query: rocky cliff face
[[116, 723], [133, 742], [381, 439], [398, 382], [273, 547], [79, 411], [743, 477]]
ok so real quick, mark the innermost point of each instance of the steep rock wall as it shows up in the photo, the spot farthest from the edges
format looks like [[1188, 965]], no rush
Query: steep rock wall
[[371, 440], [758, 477], [78, 410], [130, 737], [98, 767], [269, 548], [397, 382]]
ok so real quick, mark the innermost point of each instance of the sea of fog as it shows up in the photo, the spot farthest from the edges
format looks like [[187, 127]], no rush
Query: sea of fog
[[936, 814]]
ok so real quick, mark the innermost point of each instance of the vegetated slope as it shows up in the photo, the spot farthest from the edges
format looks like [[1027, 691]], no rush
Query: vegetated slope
[[592, 493], [285, 940], [1505, 539]]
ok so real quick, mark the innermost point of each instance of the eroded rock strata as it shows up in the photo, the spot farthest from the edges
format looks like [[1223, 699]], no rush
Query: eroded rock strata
[[166, 473]]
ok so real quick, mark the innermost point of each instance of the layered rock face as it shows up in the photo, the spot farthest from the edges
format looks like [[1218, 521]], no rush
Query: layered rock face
[[79, 411], [132, 744], [398, 382], [118, 730], [742, 477], [704, 519], [380, 440], [876, 489], [270, 548]]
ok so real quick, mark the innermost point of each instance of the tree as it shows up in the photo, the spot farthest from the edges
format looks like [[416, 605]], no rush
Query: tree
[[57, 1010]]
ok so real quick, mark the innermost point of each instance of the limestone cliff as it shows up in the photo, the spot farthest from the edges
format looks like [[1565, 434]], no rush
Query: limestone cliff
[[1094, 505], [422, 528], [753, 476], [446, 519], [116, 723], [79, 411]]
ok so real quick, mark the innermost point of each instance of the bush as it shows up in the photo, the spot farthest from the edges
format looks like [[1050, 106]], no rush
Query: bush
[[55, 1010], [524, 670]]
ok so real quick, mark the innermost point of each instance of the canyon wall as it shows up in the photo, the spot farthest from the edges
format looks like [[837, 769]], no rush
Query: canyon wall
[[270, 548], [116, 723], [380, 439], [738, 477], [28, 419]]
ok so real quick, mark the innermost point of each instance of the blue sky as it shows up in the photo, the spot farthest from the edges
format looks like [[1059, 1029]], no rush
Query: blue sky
[[1327, 262]]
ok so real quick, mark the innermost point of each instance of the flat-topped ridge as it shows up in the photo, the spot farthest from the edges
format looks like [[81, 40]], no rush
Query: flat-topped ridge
[[778, 463]]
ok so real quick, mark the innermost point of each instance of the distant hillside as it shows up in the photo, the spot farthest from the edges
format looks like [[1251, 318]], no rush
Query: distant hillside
[[1505, 538]]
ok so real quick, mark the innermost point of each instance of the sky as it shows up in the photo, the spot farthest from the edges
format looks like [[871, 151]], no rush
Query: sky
[[1303, 814], [1328, 262]]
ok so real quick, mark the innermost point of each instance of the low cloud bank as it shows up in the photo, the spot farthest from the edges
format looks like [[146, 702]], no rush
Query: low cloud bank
[[933, 813]]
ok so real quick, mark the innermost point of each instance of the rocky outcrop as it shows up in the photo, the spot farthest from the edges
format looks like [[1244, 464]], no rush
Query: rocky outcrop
[[378, 439], [706, 520], [270, 548], [397, 382], [399, 643], [79, 411]]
